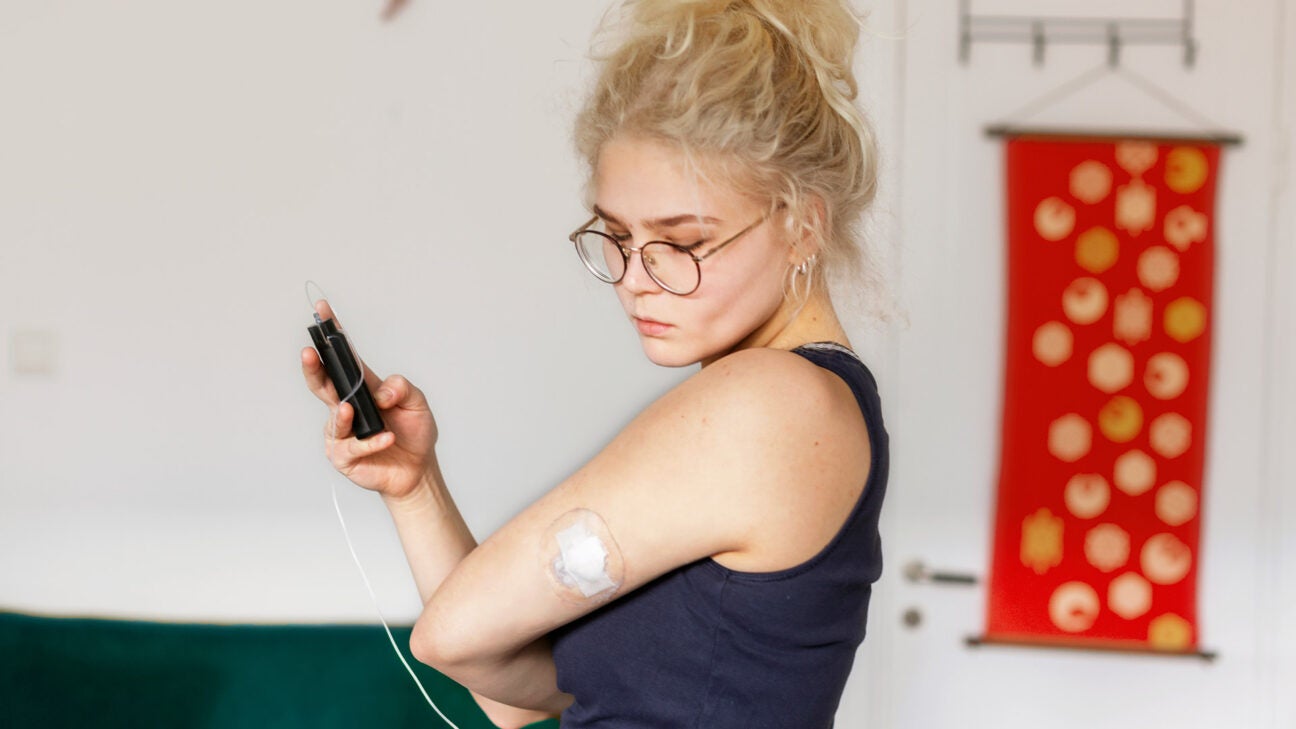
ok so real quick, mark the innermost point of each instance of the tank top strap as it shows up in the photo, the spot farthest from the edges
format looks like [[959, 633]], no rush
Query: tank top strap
[[847, 365]]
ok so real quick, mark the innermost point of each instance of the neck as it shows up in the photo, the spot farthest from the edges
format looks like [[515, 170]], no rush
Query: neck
[[793, 325]]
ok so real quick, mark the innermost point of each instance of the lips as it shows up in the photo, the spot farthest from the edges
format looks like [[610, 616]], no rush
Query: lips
[[650, 327]]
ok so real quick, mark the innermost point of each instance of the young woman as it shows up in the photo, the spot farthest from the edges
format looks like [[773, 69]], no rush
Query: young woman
[[711, 567]]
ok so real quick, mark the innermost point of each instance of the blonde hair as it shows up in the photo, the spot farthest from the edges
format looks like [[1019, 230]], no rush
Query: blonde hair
[[762, 91]]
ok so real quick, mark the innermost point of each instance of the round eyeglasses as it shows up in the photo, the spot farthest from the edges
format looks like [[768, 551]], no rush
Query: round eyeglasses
[[675, 268]]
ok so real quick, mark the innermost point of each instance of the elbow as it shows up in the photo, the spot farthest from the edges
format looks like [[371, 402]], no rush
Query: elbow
[[427, 646], [421, 644], [435, 643]]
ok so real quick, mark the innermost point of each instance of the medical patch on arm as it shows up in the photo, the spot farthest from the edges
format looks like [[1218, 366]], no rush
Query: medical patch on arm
[[581, 557]]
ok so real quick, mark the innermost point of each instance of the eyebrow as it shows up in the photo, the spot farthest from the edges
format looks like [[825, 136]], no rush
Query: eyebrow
[[658, 223]]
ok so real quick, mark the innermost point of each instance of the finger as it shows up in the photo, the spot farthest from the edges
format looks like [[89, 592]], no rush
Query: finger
[[353, 449], [396, 391], [316, 380], [339, 425], [345, 419], [325, 312]]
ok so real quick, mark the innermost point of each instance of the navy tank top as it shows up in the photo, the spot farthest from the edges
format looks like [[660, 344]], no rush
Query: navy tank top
[[709, 647]]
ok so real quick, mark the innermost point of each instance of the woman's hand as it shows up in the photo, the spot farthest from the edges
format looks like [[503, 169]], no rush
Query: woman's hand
[[392, 462]]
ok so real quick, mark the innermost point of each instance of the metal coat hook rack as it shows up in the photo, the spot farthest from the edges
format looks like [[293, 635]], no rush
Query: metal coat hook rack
[[1039, 32]]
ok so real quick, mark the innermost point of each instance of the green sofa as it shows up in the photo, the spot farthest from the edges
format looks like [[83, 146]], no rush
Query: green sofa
[[80, 672]]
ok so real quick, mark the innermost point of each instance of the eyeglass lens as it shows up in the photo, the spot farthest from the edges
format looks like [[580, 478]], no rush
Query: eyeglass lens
[[673, 268]]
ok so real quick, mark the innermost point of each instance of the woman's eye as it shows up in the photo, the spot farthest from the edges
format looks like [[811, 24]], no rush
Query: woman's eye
[[682, 241], [689, 239]]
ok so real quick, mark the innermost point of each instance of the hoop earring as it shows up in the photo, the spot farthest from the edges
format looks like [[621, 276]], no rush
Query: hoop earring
[[803, 269]]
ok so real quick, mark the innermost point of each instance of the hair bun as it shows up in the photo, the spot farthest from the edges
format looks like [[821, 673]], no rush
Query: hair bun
[[765, 86], [823, 33]]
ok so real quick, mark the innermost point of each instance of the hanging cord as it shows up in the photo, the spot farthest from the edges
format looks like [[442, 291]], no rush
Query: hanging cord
[[314, 300], [1167, 98], [1050, 98], [373, 596], [1142, 83]]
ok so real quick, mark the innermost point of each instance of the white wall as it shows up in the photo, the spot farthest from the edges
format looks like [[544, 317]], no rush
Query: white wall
[[1280, 495], [170, 176]]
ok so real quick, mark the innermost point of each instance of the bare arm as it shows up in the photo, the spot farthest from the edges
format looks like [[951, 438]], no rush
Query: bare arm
[[401, 465], [702, 472], [436, 539]]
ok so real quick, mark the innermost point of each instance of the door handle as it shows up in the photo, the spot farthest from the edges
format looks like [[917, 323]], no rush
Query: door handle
[[918, 572]]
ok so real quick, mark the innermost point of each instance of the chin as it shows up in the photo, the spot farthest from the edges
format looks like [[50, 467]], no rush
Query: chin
[[668, 354]]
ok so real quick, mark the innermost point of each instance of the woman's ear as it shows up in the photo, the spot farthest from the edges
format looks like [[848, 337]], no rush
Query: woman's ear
[[805, 231]]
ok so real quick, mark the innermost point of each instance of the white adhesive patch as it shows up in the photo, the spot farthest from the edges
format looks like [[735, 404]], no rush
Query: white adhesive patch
[[582, 560]]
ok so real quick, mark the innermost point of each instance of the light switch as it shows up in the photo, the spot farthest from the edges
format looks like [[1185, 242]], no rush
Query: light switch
[[33, 352]]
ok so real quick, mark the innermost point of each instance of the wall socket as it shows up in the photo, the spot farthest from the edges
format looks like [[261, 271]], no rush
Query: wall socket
[[33, 352]]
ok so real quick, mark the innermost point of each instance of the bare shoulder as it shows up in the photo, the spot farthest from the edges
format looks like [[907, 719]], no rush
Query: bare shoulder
[[744, 414], [762, 380], [776, 390], [805, 443], [760, 430]]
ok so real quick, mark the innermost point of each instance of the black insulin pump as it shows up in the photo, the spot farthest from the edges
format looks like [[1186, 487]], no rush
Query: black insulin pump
[[344, 370]]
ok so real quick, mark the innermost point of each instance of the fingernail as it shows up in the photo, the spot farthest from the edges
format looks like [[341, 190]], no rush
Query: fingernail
[[384, 395]]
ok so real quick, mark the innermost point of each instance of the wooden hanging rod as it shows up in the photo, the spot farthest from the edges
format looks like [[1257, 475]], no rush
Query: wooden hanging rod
[[977, 641], [1038, 32], [1006, 130]]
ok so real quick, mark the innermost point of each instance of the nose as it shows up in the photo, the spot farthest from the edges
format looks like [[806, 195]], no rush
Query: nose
[[636, 278]]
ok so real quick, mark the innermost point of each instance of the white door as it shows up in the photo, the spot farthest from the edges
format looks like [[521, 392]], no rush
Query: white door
[[942, 390]]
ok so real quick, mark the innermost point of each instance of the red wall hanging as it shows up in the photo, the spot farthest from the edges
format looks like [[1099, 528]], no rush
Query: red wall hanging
[[1110, 265]]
